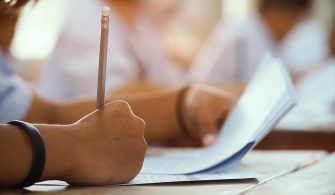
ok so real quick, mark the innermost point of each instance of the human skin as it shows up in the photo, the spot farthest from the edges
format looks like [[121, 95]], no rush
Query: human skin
[[104, 147]]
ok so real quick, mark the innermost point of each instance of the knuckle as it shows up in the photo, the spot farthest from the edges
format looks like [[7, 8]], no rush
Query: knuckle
[[121, 105], [136, 123], [141, 149], [145, 147], [139, 122], [127, 117]]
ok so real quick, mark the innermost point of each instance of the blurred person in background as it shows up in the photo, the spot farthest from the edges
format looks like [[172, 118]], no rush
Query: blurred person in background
[[185, 26], [160, 110], [107, 146], [234, 50], [137, 58], [102, 136], [316, 94]]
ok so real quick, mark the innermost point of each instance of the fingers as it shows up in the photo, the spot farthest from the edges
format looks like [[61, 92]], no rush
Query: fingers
[[223, 109], [140, 146], [124, 118], [211, 107], [208, 133], [122, 107], [132, 128]]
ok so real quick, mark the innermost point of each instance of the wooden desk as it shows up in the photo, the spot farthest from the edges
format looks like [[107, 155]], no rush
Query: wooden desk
[[300, 137], [298, 140], [316, 179], [284, 139]]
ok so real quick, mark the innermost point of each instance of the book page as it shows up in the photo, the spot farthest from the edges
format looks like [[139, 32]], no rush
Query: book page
[[268, 97]]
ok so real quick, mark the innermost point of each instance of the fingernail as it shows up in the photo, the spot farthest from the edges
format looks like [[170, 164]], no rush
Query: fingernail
[[209, 139]]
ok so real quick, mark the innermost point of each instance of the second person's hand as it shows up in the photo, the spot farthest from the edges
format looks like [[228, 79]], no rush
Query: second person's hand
[[204, 110]]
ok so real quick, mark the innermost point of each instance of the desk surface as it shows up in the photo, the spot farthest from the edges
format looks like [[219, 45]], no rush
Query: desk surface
[[299, 140], [318, 178]]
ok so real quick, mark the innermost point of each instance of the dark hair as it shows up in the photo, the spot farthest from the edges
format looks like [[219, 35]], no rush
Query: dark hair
[[296, 5]]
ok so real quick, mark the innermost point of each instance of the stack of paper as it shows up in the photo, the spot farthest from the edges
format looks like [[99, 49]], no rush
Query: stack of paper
[[267, 99]]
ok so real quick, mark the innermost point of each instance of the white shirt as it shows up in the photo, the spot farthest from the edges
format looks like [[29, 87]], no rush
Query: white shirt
[[15, 95], [316, 95], [73, 68], [316, 89], [235, 49]]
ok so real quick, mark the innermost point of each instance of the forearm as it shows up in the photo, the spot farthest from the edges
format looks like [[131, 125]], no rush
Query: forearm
[[16, 153], [137, 94], [48, 112], [158, 109]]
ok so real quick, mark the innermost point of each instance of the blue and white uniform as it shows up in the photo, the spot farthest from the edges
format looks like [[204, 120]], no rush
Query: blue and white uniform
[[15, 95]]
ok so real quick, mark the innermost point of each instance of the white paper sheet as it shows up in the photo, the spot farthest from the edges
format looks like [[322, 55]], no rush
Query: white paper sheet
[[235, 173], [268, 97]]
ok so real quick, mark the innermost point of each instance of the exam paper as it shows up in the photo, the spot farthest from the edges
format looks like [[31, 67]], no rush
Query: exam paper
[[267, 99], [236, 173]]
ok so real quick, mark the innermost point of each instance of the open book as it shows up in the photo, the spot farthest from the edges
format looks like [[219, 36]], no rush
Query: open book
[[267, 99]]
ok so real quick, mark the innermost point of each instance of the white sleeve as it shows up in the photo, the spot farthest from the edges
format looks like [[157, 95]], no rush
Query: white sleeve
[[15, 98], [215, 60]]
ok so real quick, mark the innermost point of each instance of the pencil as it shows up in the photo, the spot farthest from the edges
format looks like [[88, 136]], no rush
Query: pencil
[[103, 57]]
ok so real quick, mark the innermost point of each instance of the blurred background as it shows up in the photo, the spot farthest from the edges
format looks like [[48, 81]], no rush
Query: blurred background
[[186, 32], [171, 42]]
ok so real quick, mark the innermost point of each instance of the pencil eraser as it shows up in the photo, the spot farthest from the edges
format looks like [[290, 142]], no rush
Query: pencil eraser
[[105, 11]]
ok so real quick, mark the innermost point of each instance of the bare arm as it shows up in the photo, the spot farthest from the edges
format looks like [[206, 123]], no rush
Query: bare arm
[[16, 153], [156, 108], [105, 147], [203, 112]]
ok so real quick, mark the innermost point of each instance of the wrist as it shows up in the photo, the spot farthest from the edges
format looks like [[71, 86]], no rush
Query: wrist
[[181, 111], [60, 146], [38, 153]]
